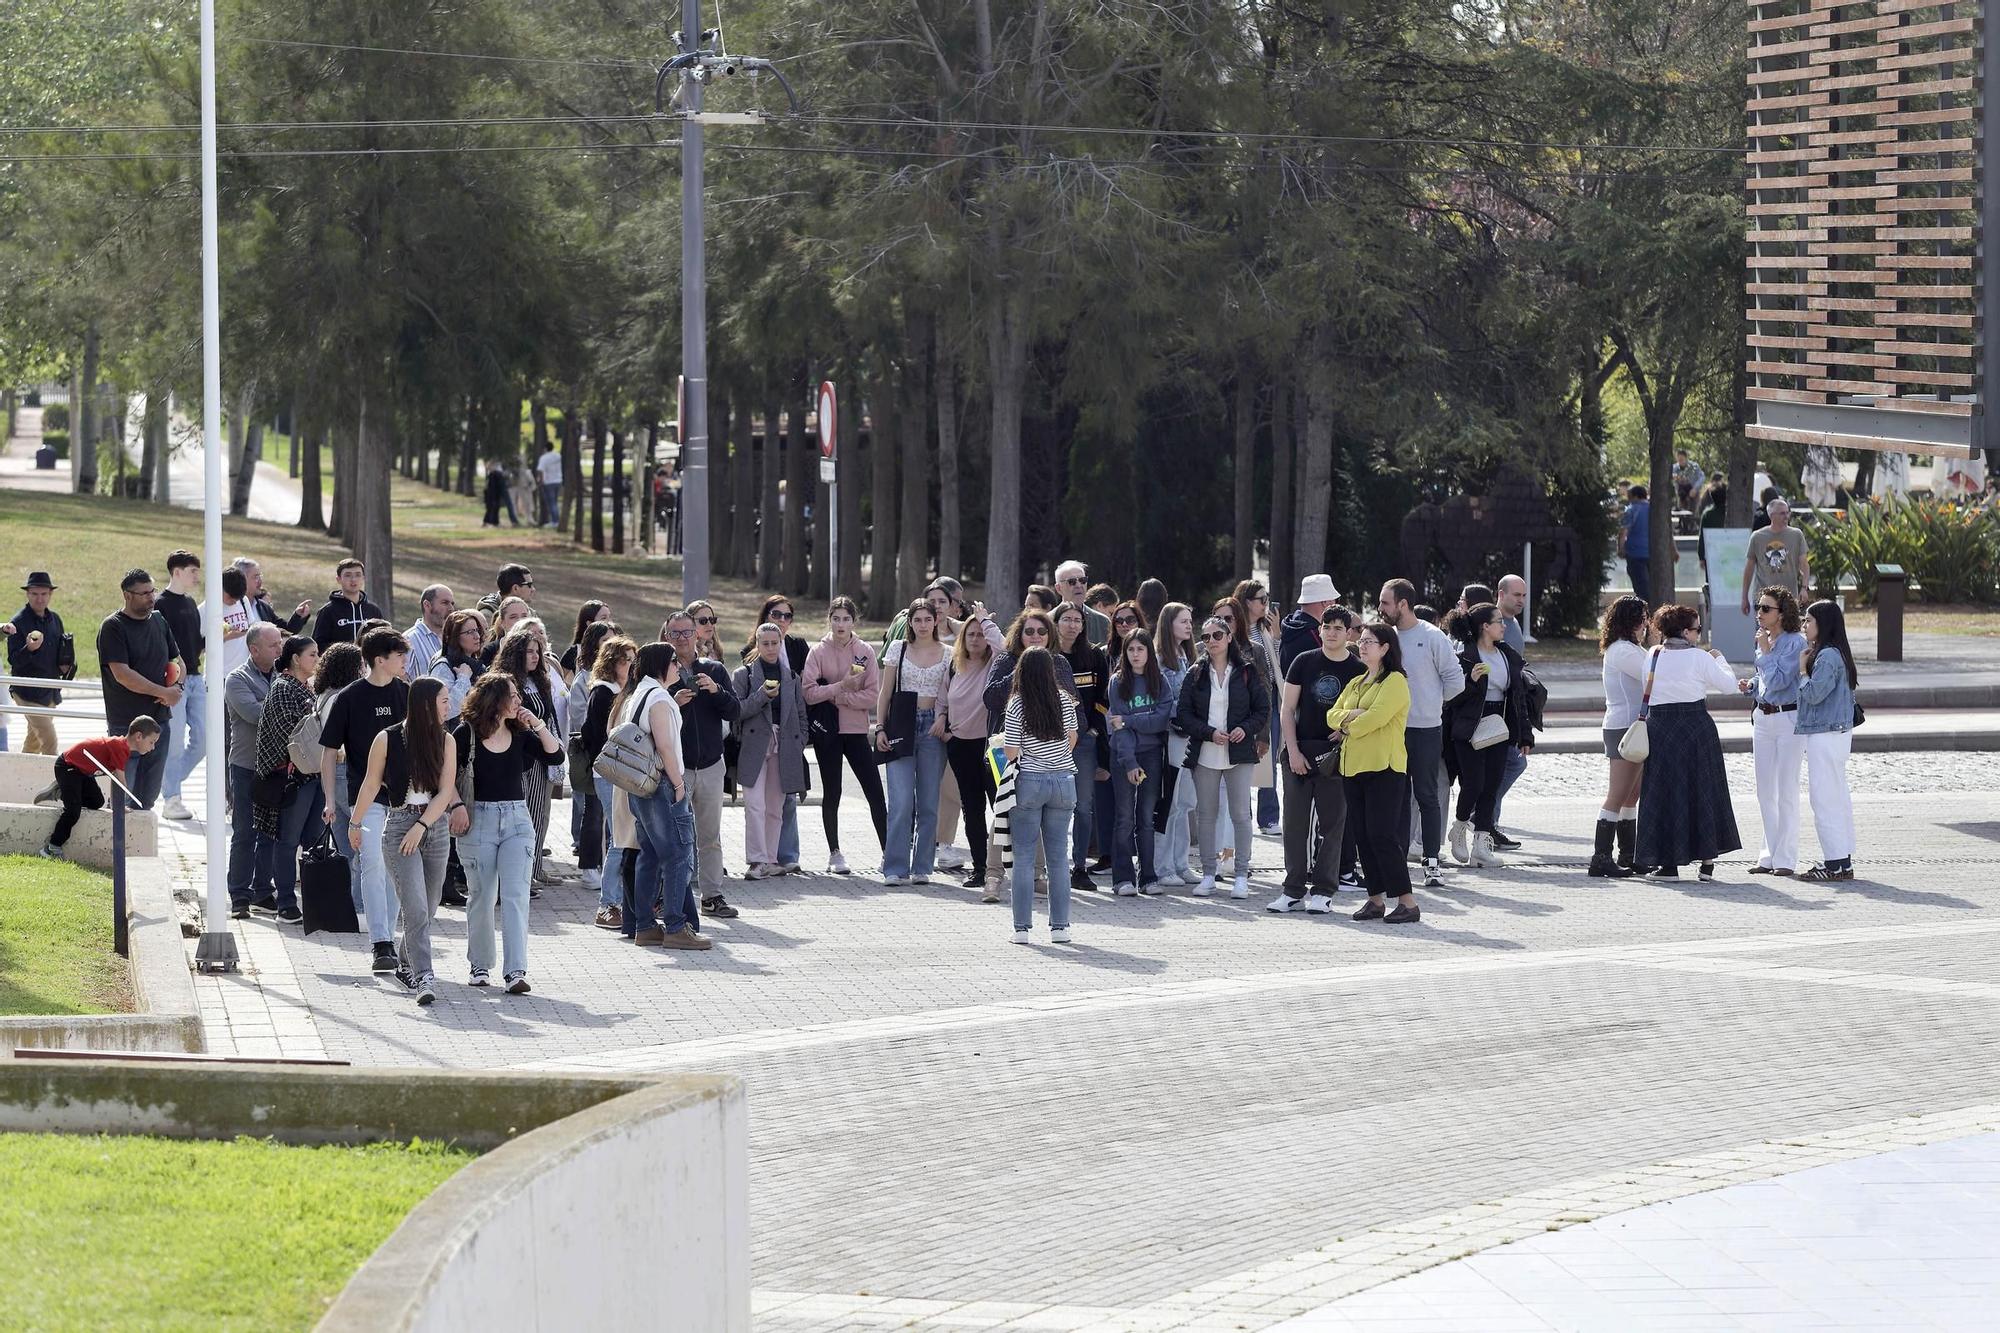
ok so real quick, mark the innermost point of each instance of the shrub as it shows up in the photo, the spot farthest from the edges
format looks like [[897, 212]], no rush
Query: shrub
[[58, 441], [55, 417], [1952, 553]]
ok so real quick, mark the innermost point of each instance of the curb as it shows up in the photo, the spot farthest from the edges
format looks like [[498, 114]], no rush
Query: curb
[[1867, 740]]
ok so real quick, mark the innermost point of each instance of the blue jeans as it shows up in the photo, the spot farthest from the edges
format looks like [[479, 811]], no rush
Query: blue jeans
[[1517, 764], [142, 775], [496, 852], [249, 875], [378, 896], [1171, 851], [298, 826], [913, 803], [1132, 825], [1267, 797], [612, 892], [552, 503], [663, 875], [1044, 803], [1641, 574], [788, 831], [1085, 757], [187, 728]]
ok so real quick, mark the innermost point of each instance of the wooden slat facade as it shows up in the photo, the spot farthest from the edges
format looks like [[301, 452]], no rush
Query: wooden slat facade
[[1863, 203]]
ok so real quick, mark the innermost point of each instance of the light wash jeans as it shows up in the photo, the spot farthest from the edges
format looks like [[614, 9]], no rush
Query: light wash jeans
[[788, 831], [418, 880], [497, 853], [1044, 804], [378, 896], [913, 804], [187, 728], [612, 891], [663, 874], [1085, 758]]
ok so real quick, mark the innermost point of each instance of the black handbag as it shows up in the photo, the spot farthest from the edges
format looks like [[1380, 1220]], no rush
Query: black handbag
[[1859, 716], [900, 726], [823, 718], [325, 896]]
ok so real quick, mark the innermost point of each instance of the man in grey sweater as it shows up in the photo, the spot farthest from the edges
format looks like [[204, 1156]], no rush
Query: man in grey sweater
[[1431, 664], [244, 691]]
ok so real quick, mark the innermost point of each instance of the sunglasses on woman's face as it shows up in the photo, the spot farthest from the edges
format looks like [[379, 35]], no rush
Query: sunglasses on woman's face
[[1034, 632], [781, 615], [1126, 620], [704, 620], [1767, 610], [1215, 636]]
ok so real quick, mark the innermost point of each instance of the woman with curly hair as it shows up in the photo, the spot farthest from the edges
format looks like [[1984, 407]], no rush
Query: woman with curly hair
[[1621, 640]]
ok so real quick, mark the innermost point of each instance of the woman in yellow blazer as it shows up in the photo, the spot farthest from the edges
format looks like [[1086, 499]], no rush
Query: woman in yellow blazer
[[1367, 722]]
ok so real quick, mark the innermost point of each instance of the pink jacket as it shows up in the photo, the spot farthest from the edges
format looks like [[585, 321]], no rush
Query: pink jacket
[[964, 696], [853, 693]]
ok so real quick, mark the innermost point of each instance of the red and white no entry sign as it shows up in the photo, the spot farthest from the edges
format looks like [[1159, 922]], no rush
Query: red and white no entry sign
[[828, 419]]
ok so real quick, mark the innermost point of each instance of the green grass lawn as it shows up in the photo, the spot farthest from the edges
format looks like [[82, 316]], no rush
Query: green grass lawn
[[88, 542], [112, 1232], [55, 941]]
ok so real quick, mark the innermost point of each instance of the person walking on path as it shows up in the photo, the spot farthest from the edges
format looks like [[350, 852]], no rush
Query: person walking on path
[[1429, 665], [709, 706], [412, 770], [549, 472], [75, 787], [1315, 806], [1495, 688], [250, 874], [1140, 713], [142, 677], [497, 741], [1635, 536], [187, 724], [1621, 641], [1826, 720], [1686, 816], [1223, 710], [347, 608], [1777, 556], [369, 706], [1777, 747], [1369, 726], [288, 800], [436, 606], [1039, 738], [499, 496], [771, 711], [35, 646], [841, 678]]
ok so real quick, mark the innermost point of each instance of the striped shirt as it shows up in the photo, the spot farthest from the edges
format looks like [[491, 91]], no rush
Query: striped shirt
[[425, 645], [1037, 755]]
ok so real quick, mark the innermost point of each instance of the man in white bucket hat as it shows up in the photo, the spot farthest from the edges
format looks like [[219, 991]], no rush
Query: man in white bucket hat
[[1299, 632]]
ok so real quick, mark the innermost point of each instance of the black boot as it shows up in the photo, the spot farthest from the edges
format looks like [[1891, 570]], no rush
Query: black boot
[[1602, 865], [1628, 841]]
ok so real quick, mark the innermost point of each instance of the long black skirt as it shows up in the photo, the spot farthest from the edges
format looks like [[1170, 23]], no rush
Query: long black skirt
[[1684, 810]]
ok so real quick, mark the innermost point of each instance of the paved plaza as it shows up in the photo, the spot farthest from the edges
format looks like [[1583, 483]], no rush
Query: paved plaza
[[1206, 1116]]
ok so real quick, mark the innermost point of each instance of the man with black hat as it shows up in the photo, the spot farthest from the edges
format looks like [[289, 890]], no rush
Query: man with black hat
[[36, 647]]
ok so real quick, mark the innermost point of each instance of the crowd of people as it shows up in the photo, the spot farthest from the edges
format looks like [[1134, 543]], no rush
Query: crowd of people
[[1085, 734]]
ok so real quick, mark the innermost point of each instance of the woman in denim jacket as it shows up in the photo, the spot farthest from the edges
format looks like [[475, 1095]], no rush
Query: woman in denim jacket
[[1826, 720], [1141, 712]]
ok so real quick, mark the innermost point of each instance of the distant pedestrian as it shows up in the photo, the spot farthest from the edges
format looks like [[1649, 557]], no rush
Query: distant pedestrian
[[1174, 638], [1826, 720], [1495, 688], [75, 787], [609, 671], [498, 497], [1635, 536], [36, 647], [549, 469], [1777, 556], [1511, 598], [142, 677]]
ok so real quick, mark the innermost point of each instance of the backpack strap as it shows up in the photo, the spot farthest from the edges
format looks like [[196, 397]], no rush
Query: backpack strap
[[1646, 698]]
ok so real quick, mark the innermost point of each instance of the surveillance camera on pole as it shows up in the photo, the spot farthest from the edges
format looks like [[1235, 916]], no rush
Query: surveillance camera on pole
[[700, 60]]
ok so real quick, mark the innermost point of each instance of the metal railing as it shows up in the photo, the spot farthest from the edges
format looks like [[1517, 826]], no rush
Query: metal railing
[[8, 704], [121, 937]]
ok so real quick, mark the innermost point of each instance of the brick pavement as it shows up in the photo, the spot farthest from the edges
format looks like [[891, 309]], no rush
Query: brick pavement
[[1061, 1137]]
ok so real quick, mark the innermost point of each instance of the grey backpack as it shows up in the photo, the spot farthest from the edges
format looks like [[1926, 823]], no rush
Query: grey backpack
[[628, 760]]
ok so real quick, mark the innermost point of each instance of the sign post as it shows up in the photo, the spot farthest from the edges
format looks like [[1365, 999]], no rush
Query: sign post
[[829, 435]]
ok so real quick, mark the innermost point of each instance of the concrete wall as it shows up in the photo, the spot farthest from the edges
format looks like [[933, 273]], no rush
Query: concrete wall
[[24, 827], [588, 1180]]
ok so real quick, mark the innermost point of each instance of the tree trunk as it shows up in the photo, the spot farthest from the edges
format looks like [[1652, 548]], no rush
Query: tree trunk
[[312, 509], [292, 463], [1007, 357], [152, 460], [618, 492], [340, 444], [822, 553], [1244, 411], [799, 485], [243, 462], [847, 504], [770, 460], [1284, 560], [1316, 461], [882, 499], [83, 418], [572, 430], [373, 465], [253, 451], [643, 491], [597, 479], [949, 538], [742, 491], [914, 417]]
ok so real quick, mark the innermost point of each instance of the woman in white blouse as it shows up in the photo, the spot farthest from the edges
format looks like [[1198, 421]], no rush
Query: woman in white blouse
[[1621, 640], [1686, 816]]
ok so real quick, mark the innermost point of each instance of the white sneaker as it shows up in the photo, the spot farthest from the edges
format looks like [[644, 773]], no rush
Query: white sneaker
[[836, 864], [1483, 854], [1433, 875], [1058, 936], [175, 809], [1284, 902], [895, 879], [920, 879], [1192, 876], [1205, 887], [1153, 889], [758, 871], [1126, 890], [1024, 937], [1242, 888], [593, 879], [1318, 903], [1461, 841], [952, 857], [787, 868]]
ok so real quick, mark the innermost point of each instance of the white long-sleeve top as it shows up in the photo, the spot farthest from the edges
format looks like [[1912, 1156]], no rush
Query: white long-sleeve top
[[1624, 682], [1686, 674]]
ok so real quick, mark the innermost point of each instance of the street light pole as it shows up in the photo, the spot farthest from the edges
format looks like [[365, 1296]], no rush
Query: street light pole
[[217, 950], [694, 322]]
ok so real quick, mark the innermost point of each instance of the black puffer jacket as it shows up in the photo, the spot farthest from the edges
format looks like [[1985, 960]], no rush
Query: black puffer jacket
[[1461, 715], [1249, 708]]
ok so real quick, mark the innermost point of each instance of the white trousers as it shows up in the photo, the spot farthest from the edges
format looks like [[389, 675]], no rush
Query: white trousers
[[1778, 750], [1832, 804]]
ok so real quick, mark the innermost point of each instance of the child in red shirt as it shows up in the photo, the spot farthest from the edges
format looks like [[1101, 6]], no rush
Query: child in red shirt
[[76, 777]]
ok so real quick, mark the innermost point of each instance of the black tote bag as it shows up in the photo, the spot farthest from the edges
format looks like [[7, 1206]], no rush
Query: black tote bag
[[325, 898], [900, 726]]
